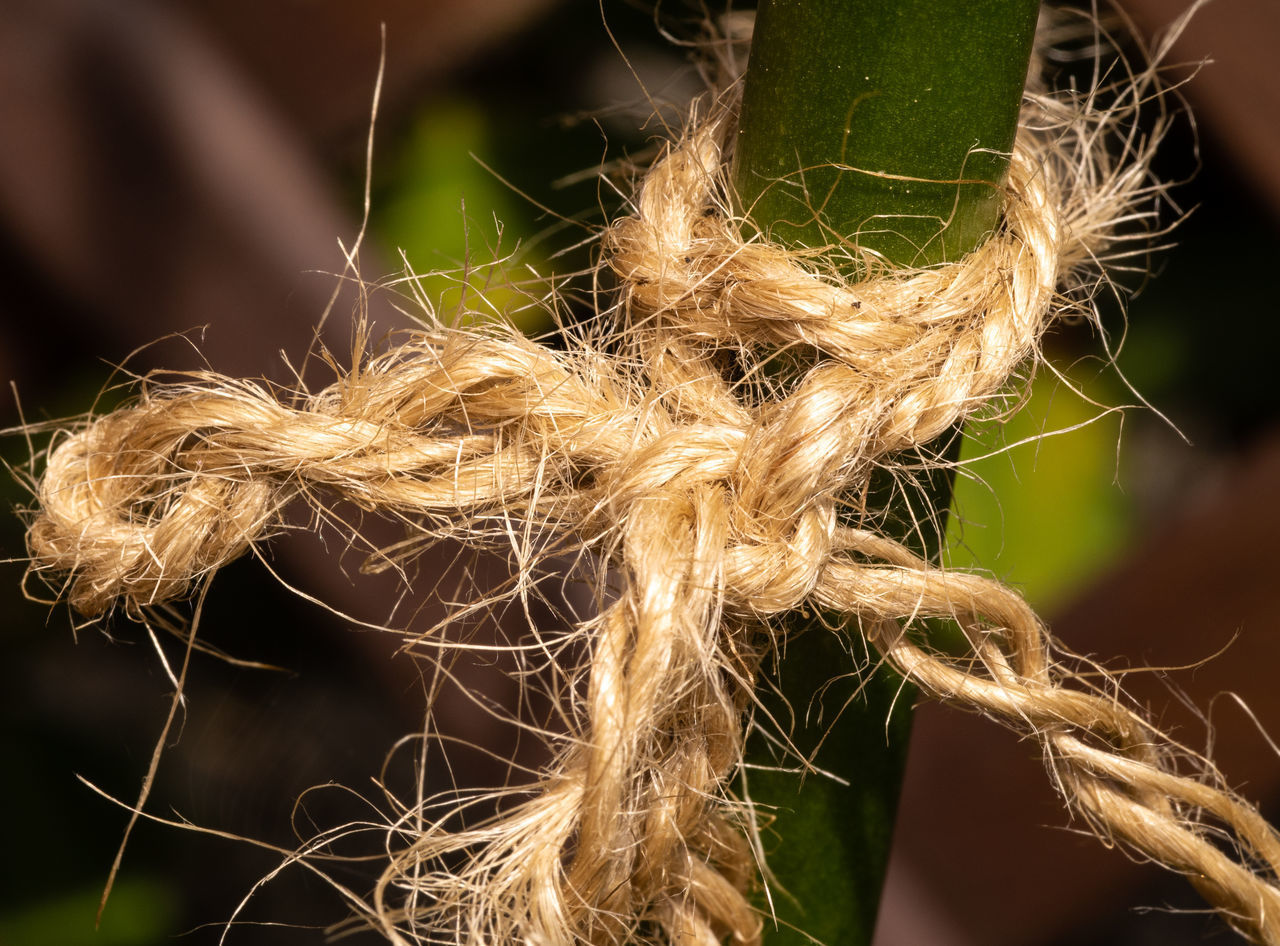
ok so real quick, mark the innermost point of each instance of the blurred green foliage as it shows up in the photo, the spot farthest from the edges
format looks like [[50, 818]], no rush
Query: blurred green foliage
[[457, 227], [142, 911], [1037, 503]]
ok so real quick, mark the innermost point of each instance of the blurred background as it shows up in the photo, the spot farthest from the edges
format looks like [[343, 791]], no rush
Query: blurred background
[[175, 178]]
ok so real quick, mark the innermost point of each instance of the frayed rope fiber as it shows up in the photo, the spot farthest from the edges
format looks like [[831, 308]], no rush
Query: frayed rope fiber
[[718, 494]]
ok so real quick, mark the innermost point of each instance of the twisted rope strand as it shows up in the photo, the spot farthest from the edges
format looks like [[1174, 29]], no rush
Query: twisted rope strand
[[715, 488]]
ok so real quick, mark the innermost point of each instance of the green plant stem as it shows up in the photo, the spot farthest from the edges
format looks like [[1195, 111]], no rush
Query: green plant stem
[[875, 122], [881, 129]]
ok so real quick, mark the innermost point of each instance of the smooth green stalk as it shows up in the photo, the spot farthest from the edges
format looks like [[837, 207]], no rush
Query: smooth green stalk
[[882, 124], [881, 129]]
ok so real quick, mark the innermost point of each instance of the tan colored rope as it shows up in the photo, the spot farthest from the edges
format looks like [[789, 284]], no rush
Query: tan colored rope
[[715, 490]]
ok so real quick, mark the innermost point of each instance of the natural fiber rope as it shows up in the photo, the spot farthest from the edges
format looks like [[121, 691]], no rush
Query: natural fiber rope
[[714, 491]]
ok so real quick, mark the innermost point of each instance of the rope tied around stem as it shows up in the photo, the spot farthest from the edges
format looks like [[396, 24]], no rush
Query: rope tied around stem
[[713, 487]]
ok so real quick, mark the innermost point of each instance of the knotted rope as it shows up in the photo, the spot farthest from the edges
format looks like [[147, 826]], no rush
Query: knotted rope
[[718, 492]]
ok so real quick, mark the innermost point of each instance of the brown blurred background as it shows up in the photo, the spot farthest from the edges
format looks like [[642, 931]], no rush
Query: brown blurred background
[[189, 167]]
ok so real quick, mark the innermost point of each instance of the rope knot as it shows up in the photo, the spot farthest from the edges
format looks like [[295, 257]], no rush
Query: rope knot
[[719, 475], [778, 573], [131, 513]]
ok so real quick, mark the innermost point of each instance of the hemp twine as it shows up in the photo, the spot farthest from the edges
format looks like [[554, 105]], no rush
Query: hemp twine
[[718, 496]]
